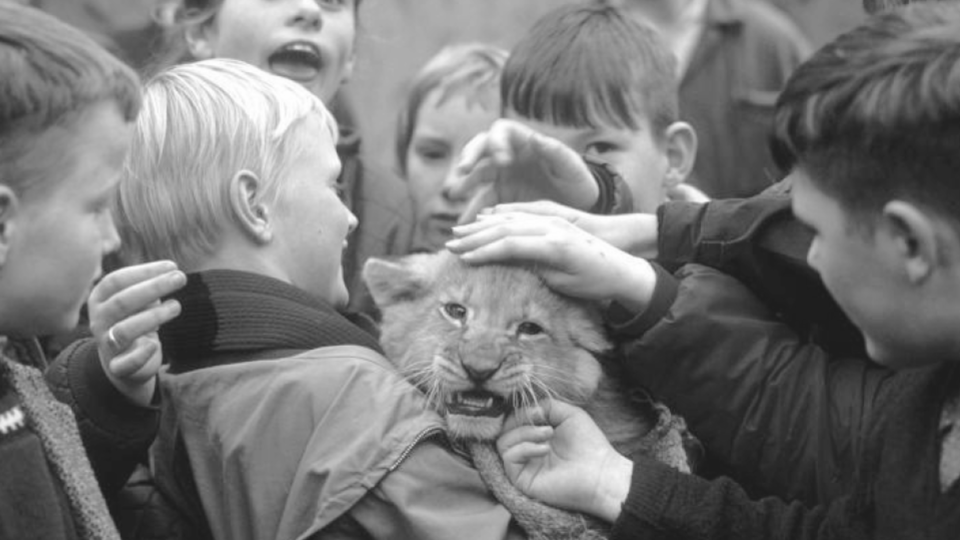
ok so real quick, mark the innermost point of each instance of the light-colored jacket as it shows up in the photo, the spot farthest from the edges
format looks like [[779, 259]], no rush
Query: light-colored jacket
[[281, 448]]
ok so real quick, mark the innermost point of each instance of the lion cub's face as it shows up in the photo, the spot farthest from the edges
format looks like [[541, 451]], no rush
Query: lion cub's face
[[482, 341]]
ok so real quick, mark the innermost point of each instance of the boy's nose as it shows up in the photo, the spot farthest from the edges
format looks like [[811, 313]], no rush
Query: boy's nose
[[308, 15], [111, 237], [352, 221]]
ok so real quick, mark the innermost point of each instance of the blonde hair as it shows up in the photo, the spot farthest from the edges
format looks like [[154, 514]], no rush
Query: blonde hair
[[201, 124]]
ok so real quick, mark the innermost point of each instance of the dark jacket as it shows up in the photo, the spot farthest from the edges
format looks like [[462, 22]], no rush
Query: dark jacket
[[775, 411], [47, 486], [740, 64], [282, 420], [898, 494], [759, 242]]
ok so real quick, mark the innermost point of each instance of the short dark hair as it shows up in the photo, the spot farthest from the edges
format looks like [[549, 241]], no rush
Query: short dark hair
[[584, 64], [875, 115], [49, 73]]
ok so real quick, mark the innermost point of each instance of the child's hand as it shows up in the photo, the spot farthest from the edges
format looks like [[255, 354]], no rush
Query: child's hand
[[570, 260], [125, 314], [513, 163], [567, 463], [686, 193], [634, 233]]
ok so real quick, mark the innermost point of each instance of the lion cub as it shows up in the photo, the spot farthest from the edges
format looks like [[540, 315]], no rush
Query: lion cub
[[482, 341]]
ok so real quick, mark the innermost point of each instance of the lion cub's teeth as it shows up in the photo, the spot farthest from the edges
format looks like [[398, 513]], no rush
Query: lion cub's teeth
[[474, 402]]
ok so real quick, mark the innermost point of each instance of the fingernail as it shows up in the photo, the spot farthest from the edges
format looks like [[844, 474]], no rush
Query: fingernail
[[178, 278], [453, 244]]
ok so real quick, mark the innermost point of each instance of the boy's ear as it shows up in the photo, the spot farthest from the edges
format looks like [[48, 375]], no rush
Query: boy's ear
[[917, 239], [200, 37], [247, 207], [8, 209], [681, 151]]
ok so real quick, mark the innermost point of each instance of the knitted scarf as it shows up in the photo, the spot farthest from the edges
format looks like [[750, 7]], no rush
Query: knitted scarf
[[55, 426]]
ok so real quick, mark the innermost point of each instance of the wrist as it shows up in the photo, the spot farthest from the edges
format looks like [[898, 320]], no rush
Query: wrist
[[637, 285], [613, 486], [636, 234]]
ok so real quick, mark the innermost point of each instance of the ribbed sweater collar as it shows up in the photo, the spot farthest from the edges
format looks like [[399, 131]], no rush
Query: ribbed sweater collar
[[228, 314]]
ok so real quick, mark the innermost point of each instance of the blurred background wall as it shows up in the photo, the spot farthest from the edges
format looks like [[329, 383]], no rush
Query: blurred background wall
[[396, 38]]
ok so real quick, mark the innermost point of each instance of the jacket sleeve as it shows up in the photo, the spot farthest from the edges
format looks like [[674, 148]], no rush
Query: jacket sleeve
[[781, 415], [760, 243], [663, 503], [434, 495], [116, 433]]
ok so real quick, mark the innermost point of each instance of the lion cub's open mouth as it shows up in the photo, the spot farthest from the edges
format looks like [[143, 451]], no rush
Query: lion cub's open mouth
[[476, 403]]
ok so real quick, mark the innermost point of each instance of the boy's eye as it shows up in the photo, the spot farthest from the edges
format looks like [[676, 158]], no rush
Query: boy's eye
[[432, 153], [600, 148]]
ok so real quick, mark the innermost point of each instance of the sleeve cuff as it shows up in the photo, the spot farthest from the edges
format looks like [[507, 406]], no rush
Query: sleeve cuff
[[100, 401], [678, 233], [651, 489], [625, 323]]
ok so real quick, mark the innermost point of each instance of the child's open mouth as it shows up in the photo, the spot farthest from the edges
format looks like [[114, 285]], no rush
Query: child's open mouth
[[299, 61]]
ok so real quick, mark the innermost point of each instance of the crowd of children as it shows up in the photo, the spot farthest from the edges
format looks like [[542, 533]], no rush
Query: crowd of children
[[807, 334]]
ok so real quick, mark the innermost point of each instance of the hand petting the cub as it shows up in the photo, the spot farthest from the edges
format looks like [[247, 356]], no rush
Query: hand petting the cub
[[511, 162], [569, 259], [635, 233], [125, 313], [567, 463]]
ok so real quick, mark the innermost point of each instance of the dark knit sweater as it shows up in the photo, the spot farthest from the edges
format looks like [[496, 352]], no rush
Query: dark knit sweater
[[898, 493]]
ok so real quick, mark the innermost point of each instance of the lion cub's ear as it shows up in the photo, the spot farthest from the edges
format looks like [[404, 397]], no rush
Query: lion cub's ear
[[399, 280]]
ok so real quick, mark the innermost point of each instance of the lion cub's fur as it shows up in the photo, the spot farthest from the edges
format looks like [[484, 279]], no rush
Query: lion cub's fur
[[437, 351]]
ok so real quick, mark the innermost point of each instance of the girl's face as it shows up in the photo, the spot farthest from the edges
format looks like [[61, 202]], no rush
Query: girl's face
[[308, 41], [443, 125]]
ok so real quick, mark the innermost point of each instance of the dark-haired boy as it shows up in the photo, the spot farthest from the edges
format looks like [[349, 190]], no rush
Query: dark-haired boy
[[871, 124], [65, 112], [605, 86]]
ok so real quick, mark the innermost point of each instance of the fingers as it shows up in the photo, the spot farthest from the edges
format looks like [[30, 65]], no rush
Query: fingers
[[514, 236], [524, 443], [127, 292], [124, 333], [138, 363], [484, 198], [473, 169], [119, 280], [539, 208]]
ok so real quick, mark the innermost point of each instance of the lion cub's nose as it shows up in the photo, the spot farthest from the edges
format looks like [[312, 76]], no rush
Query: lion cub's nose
[[480, 374]]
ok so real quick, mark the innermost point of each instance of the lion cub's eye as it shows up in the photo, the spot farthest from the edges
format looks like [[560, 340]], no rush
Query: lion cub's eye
[[529, 328], [455, 311]]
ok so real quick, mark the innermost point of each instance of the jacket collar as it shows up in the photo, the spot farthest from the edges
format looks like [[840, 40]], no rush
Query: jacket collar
[[228, 316]]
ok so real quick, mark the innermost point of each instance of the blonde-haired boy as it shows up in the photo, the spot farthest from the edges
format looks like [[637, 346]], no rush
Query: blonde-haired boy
[[283, 419]]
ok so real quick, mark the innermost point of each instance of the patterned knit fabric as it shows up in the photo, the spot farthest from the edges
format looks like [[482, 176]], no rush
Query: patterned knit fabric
[[54, 424], [950, 450]]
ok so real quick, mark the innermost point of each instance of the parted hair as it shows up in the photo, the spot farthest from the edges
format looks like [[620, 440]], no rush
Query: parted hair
[[875, 115], [584, 65], [202, 124], [469, 69], [50, 73]]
